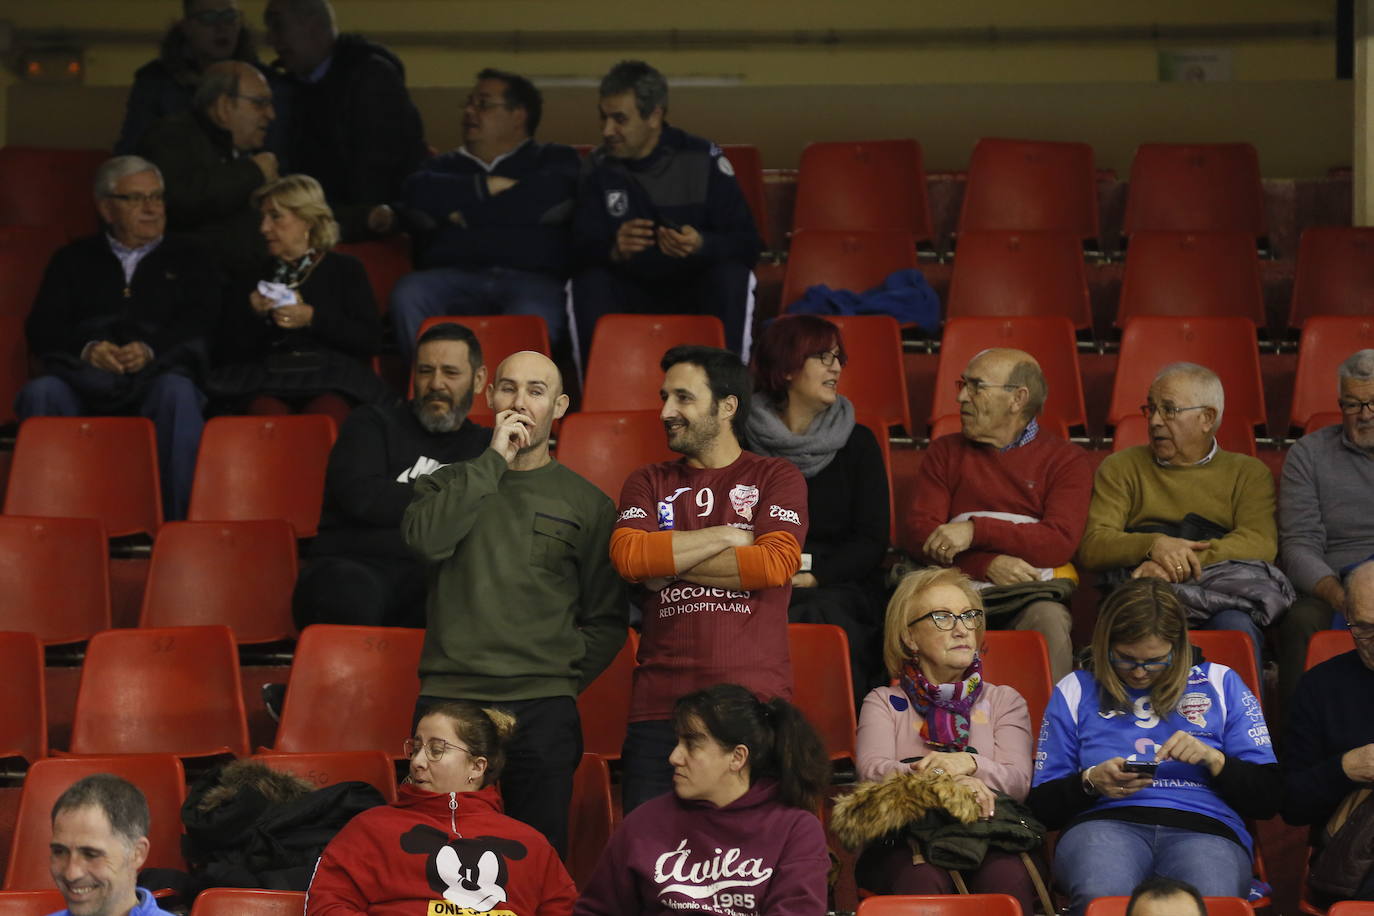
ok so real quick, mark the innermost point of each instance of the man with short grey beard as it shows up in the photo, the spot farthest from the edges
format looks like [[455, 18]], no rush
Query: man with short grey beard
[[358, 569]]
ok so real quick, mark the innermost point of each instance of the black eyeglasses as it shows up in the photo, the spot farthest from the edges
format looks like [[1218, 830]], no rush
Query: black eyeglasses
[[978, 386], [216, 17], [828, 358], [260, 102], [138, 199], [477, 103], [1353, 407], [944, 620], [434, 747], [1127, 665], [1166, 411]]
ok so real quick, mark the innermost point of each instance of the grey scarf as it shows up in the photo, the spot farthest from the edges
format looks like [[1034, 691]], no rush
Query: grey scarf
[[812, 450]]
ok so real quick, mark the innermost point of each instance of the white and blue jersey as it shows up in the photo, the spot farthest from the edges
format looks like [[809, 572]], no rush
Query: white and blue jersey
[[1216, 708]]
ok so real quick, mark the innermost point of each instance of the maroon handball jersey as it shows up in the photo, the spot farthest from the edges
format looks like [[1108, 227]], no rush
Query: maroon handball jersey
[[696, 636]]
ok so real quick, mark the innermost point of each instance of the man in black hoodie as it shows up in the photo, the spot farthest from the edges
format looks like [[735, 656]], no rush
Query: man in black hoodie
[[350, 122]]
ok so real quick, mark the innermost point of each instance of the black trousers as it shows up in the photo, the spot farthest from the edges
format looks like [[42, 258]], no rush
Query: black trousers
[[541, 757], [646, 772], [373, 592]]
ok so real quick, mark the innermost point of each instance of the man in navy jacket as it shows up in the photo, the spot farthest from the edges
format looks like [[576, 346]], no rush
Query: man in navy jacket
[[661, 223], [492, 217]]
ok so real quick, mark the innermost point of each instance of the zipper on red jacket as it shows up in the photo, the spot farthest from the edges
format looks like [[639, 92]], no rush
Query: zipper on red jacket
[[453, 812]]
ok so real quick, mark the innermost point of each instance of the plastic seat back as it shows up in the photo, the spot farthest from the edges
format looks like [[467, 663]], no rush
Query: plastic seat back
[[54, 577], [499, 336], [31, 903], [1003, 274], [24, 726], [850, 260], [240, 574], [327, 768], [1202, 187], [1021, 660], [1216, 906], [1335, 273], [1030, 185], [1191, 274], [263, 467], [1228, 346], [872, 184], [822, 685], [1134, 430], [940, 905], [24, 255], [88, 467], [747, 162], [240, 901], [1321, 421], [163, 690], [1231, 648], [1327, 341], [605, 705], [1351, 908], [368, 671], [1048, 338], [622, 367], [875, 379], [386, 261], [607, 446], [159, 776], [1327, 644], [591, 818], [41, 186]]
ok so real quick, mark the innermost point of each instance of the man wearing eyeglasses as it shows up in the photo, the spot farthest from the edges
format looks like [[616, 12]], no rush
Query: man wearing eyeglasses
[[120, 324], [1180, 504], [213, 160], [1003, 500], [491, 219], [1325, 524]]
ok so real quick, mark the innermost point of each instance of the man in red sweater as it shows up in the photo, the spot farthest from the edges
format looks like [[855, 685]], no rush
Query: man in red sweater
[[1002, 500], [715, 538]]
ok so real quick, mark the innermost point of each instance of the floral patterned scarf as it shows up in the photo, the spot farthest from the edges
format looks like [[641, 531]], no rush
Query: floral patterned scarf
[[944, 707]]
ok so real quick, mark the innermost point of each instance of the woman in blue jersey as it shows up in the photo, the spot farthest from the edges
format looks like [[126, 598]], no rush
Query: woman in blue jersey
[[1145, 703]]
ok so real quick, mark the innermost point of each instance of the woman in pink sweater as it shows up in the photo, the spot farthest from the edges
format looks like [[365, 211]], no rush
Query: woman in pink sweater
[[942, 717]]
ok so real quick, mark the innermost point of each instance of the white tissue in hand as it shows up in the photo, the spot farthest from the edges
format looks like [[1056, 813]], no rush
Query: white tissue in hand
[[278, 294]]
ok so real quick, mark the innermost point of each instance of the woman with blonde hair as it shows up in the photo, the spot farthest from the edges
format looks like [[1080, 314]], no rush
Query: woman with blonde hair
[[444, 840], [942, 718], [300, 342], [1150, 762]]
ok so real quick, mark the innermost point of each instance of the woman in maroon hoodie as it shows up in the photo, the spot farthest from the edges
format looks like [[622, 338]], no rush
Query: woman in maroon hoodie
[[738, 835], [444, 846]]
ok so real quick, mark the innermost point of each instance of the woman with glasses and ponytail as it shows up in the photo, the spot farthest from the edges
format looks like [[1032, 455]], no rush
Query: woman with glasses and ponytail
[[1149, 762], [739, 832], [942, 719], [443, 845]]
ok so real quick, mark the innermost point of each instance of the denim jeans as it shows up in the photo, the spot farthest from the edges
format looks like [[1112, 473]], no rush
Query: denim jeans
[[490, 291], [1106, 858], [1240, 620]]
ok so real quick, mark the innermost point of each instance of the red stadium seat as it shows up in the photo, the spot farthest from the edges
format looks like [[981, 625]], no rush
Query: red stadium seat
[[1020, 659], [606, 447], [1003, 274], [748, 165], [386, 260], [822, 685], [1050, 339], [326, 768], [240, 901], [366, 674], [1327, 644], [263, 467], [1351, 908], [1030, 185], [1135, 430], [45, 557], [499, 336], [1195, 188], [1192, 274], [1231, 648], [159, 776], [1327, 341], [878, 184], [164, 690], [854, 260], [1321, 421], [1216, 906], [875, 379], [622, 368], [88, 467], [31, 903], [591, 818], [240, 574], [1335, 273], [940, 905], [40, 186], [1227, 346], [24, 726], [605, 705]]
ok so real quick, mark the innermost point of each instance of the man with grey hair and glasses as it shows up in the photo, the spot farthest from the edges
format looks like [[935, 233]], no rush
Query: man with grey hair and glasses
[[99, 842], [1181, 505], [1325, 525], [120, 323]]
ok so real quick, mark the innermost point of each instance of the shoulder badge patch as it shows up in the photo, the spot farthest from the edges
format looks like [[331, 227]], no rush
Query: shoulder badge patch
[[617, 203], [724, 164]]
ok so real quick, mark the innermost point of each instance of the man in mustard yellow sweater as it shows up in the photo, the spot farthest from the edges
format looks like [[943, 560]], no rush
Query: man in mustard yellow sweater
[[1181, 472]]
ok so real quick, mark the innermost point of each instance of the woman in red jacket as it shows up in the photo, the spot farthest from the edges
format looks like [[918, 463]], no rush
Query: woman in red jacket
[[444, 846]]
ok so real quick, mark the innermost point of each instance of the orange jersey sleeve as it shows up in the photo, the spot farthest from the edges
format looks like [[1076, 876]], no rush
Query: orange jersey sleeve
[[771, 561]]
